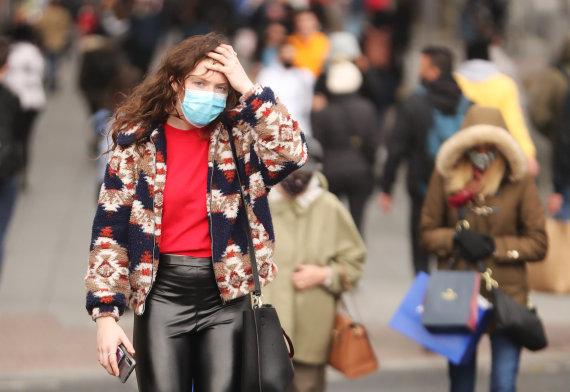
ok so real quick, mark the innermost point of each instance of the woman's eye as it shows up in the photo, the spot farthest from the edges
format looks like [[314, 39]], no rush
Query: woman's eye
[[198, 83], [222, 88]]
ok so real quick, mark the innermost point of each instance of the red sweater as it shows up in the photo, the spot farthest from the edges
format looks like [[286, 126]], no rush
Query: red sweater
[[185, 229]]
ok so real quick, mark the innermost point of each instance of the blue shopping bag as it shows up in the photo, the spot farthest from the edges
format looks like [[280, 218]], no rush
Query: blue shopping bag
[[458, 348]]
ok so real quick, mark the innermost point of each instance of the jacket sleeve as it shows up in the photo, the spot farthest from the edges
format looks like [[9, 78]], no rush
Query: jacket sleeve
[[268, 131], [347, 264], [107, 279], [531, 242], [514, 119], [399, 144], [434, 235]]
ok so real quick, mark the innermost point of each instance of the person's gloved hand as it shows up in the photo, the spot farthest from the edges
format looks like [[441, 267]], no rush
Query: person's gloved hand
[[474, 246]]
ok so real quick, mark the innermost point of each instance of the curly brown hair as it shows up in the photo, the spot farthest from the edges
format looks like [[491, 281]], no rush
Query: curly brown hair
[[154, 100]]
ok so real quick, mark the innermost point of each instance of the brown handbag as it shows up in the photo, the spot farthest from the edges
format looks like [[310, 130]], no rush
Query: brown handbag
[[351, 352]]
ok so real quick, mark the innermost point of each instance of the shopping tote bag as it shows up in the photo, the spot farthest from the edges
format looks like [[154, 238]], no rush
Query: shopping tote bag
[[458, 348], [553, 273], [450, 301]]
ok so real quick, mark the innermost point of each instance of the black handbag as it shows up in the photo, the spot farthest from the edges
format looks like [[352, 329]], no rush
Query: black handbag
[[266, 360], [520, 323], [450, 304]]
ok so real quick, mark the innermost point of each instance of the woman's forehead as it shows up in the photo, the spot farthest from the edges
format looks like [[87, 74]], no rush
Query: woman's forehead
[[207, 74]]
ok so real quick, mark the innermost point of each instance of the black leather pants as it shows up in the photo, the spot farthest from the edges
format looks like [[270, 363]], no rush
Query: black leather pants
[[187, 335]]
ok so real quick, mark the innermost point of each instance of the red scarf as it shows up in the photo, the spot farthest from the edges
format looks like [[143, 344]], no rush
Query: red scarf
[[460, 198]]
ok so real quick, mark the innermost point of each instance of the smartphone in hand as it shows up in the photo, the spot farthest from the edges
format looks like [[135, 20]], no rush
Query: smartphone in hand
[[125, 362]]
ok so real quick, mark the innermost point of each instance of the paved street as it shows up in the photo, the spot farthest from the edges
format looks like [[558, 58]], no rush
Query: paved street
[[47, 341]]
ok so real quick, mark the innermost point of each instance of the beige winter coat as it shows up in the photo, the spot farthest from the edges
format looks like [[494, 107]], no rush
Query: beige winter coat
[[508, 208], [315, 228]]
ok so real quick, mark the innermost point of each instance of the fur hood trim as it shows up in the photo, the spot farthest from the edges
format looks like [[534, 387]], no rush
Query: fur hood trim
[[453, 149]]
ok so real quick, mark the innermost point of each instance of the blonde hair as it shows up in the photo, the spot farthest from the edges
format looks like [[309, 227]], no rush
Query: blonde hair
[[462, 174]]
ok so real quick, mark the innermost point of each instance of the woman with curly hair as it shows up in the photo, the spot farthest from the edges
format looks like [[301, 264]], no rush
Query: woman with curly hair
[[168, 238]]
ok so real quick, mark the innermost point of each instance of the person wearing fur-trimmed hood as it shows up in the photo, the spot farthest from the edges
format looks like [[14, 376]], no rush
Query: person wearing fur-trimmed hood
[[481, 176]]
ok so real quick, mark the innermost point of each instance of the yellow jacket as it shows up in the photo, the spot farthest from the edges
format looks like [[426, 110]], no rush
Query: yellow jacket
[[482, 83]]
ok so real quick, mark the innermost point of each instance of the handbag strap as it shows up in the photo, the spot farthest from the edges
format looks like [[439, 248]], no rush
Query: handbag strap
[[289, 344], [347, 296], [252, 258]]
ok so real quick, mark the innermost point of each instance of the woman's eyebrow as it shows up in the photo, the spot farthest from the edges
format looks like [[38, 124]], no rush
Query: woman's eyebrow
[[203, 79], [198, 77]]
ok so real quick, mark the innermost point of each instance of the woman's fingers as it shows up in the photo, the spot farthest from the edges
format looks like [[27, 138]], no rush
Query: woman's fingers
[[223, 54], [218, 57], [226, 62], [109, 335], [113, 363], [105, 358], [127, 343], [227, 50]]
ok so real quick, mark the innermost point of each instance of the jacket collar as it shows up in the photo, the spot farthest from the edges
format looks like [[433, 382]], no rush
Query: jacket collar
[[126, 138]]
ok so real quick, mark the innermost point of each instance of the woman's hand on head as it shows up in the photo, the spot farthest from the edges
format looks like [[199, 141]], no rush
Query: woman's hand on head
[[227, 62], [109, 336]]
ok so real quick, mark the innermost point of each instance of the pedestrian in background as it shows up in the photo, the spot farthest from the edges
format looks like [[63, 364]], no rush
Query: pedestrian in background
[[10, 149], [311, 45], [168, 234], [25, 77], [105, 79], [548, 91], [559, 199], [482, 83], [481, 181], [145, 30], [550, 114], [424, 120], [55, 26], [320, 255], [293, 85], [269, 42], [381, 61], [348, 130]]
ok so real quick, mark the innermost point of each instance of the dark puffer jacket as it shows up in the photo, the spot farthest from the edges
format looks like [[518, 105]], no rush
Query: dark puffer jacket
[[348, 131]]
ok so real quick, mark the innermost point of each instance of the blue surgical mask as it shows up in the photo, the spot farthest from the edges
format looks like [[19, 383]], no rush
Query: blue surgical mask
[[202, 107]]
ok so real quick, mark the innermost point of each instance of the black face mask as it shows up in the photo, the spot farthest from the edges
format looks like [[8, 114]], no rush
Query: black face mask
[[287, 64], [296, 182]]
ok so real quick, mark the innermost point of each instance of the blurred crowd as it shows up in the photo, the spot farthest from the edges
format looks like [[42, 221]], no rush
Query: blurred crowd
[[338, 65]]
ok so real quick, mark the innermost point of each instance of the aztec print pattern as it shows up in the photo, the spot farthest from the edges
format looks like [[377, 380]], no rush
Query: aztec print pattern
[[125, 246]]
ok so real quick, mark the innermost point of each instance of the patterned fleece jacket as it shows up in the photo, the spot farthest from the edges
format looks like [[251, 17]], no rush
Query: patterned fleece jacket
[[125, 245]]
